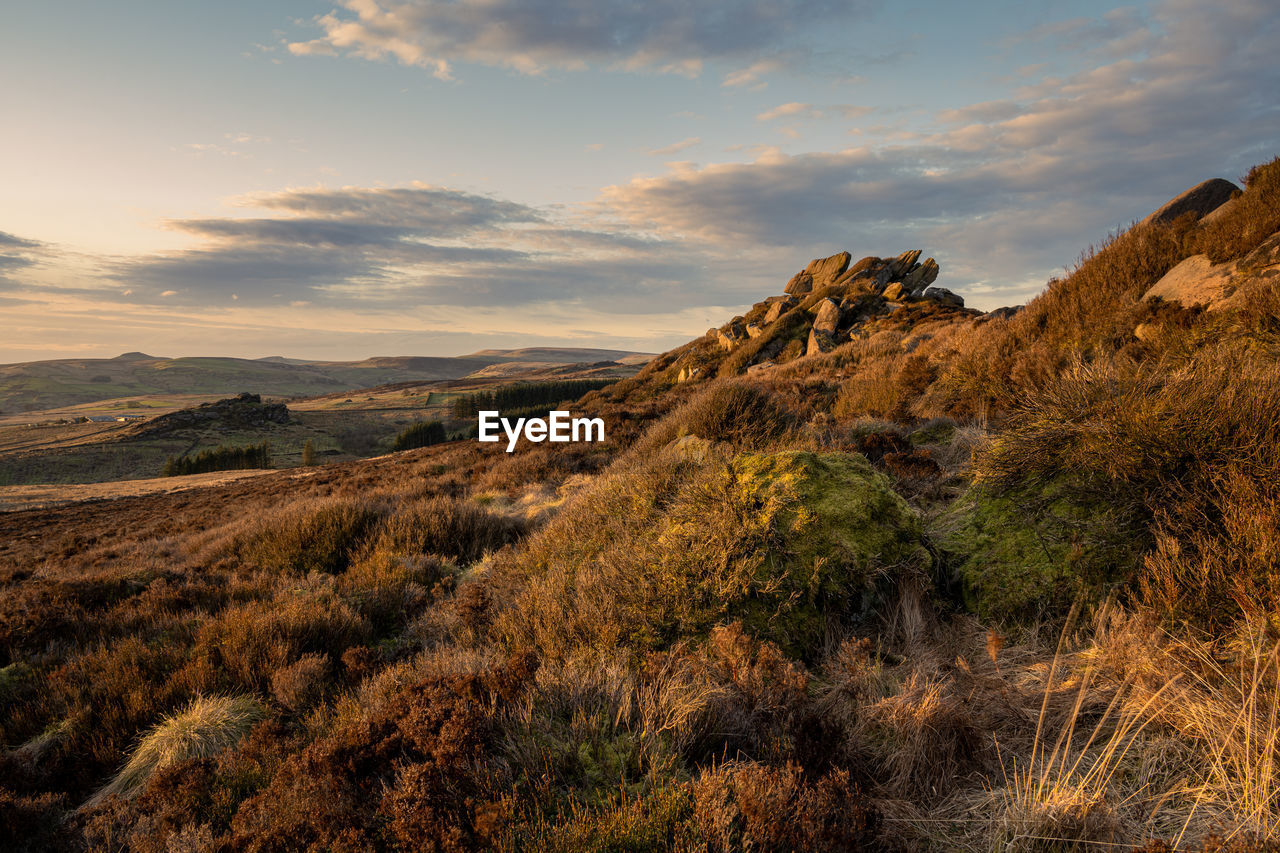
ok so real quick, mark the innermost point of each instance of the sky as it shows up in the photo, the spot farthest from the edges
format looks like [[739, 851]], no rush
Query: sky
[[433, 177]]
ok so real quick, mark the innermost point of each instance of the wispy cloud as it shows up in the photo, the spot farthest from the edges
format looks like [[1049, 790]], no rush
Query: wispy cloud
[[532, 36], [800, 111], [676, 147]]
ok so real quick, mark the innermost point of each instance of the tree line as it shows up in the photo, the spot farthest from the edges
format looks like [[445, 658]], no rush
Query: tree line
[[221, 458], [522, 396]]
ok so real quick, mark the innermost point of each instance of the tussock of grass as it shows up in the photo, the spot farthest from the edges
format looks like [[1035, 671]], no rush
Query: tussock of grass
[[206, 727]]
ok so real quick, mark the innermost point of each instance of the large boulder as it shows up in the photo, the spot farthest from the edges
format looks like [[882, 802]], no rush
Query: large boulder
[[1201, 199], [1195, 281], [777, 308], [827, 318], [820, 341], [826, 270], [944, 296]]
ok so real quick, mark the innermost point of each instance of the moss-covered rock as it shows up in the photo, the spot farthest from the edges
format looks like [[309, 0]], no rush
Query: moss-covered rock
[[1020, 556], [663, 552], [837, 525]]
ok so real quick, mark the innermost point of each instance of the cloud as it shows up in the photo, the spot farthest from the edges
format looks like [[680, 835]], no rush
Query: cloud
[[1004, 192], [752, 74], [797, 110], [532, 36], [667, 150], [406, 247], [16, 253]]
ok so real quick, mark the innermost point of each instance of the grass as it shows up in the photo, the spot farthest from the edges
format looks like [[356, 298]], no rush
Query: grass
[[206, 727]]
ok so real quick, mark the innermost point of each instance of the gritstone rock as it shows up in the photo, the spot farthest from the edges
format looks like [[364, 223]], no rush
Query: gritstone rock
[[944, 296], [819, 341], [828, 317], [824, 271], [800, 284], [1200, 199]]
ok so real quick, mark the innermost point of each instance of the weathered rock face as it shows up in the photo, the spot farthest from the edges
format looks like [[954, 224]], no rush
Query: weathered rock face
[[777, 308], [820, 341], [1195, 281], [921, 277], [946, 297], [245, 411], [1201, 199], [800, 284], [754, 330], [903, 264], [826, 270], [895, 291], [688, 374], [828, 317]]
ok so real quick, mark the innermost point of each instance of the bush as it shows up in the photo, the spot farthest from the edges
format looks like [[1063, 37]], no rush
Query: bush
[[748, 806], [310, 537], [671, 546], [734, 412]]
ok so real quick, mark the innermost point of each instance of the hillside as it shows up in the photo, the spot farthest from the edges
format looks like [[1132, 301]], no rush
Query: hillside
[[41, 385], [862, 569]]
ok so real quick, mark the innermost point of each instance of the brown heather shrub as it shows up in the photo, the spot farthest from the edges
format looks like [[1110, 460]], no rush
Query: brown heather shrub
[[32, 824], [748, 806], [735, 412], [247, 644], [301, 684], [310, 536], [404, 774], [445, 526]]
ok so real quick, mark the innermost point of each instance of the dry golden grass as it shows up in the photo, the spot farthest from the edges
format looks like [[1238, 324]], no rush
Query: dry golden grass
[[206, 727]]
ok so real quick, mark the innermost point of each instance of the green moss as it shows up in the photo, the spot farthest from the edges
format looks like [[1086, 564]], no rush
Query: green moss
[[837, 523], [935, 432], [1024, 556]]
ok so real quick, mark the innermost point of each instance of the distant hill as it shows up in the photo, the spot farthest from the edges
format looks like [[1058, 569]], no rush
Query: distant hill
[[562, 355], [39, 385]]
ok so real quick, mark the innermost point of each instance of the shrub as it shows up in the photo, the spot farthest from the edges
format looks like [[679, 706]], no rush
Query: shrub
[[786, 542], [310, 537], [448, 527], [748, 806], [735, 412]]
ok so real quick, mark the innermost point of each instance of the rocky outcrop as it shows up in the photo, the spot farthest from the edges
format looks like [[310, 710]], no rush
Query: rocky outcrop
[[1201, 199], [946, 297], [243, 412], [838, 299]]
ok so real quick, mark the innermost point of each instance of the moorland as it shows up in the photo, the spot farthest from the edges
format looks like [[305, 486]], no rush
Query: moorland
[[862, 569]]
